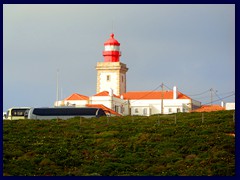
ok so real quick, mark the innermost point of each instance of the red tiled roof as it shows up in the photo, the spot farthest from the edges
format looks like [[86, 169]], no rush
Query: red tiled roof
[[105, 93], [209, 108], [76, 96], [106, 109], [153, 95]]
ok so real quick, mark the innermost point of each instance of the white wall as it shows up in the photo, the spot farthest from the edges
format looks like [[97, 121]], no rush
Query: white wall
[[230, 106], [145, 107], [104, 100], [105, 84], [77, 103], [111, 102], [176, 105], [154, 106]]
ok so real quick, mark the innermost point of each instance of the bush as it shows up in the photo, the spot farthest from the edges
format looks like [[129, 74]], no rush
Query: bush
[[134, 146]]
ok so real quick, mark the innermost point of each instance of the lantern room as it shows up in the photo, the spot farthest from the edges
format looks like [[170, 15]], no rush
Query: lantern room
[[111, 51]]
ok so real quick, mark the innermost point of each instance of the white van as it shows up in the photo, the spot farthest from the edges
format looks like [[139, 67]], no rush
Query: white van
[[16, 113]]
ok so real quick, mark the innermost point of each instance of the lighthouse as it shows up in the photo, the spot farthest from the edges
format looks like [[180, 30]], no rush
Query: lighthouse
[[111, 73]]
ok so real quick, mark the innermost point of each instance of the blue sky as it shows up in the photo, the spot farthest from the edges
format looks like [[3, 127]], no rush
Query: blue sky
[[190, 46]]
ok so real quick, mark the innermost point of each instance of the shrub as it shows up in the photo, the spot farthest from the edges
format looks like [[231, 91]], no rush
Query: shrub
[[133, 146]]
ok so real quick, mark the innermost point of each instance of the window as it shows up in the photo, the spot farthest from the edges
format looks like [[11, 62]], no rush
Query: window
[[116, 108], [122, 109], [136, 110], [178, 110], [108, 77], [18, 112], [122, 78], [66, 111], [145, 111], [170, 110]]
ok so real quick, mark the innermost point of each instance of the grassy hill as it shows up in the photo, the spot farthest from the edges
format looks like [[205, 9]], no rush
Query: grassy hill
[[160, 145]]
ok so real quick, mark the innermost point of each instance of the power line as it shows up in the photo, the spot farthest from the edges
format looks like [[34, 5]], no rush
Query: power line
[[145, 94], [204, 97], [161, 85], [217, 95], [149, 92], [199, 93], [204, 92], [167, 87], [221, 98], [227, 93]]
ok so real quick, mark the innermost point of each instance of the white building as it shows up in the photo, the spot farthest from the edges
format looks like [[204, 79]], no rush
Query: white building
[[75, 99], [230, 106], [102, 100], [159, 102], [144, 103], [113, 97]]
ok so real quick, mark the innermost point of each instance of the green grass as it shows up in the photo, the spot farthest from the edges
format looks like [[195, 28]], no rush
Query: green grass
[[120, 146]]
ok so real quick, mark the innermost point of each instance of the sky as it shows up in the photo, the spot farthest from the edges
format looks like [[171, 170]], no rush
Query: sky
[[188, 46]]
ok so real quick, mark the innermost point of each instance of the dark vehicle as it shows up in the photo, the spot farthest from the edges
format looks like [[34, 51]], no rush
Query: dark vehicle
[[64, 113]]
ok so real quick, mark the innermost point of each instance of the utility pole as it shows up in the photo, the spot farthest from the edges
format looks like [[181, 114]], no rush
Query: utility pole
[[162, 100], [211, 91]]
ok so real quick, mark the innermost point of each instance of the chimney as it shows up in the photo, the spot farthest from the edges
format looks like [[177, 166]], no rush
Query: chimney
[[110, 92], [222, 104], [175, 96]]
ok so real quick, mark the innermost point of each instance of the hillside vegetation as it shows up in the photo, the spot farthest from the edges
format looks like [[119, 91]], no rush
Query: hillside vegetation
[[159, 145]]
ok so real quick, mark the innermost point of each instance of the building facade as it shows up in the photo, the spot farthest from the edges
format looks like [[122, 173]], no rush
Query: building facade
[[112, 93], [230, 106], [159, 102]]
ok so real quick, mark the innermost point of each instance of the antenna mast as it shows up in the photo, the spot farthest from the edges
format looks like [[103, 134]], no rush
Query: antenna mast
[[57, 88], [162, 100], [112, 27]]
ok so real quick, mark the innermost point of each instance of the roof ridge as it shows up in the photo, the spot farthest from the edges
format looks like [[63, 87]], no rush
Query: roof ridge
[[106, 109], [107, 94], [153, 95], [82, 97], [209, 108]]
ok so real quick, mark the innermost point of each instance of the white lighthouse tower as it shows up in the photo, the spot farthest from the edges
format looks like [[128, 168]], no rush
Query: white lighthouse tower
[[111, 74]]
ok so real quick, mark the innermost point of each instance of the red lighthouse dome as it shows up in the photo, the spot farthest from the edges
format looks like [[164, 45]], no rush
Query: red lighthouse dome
[[111, 51]]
